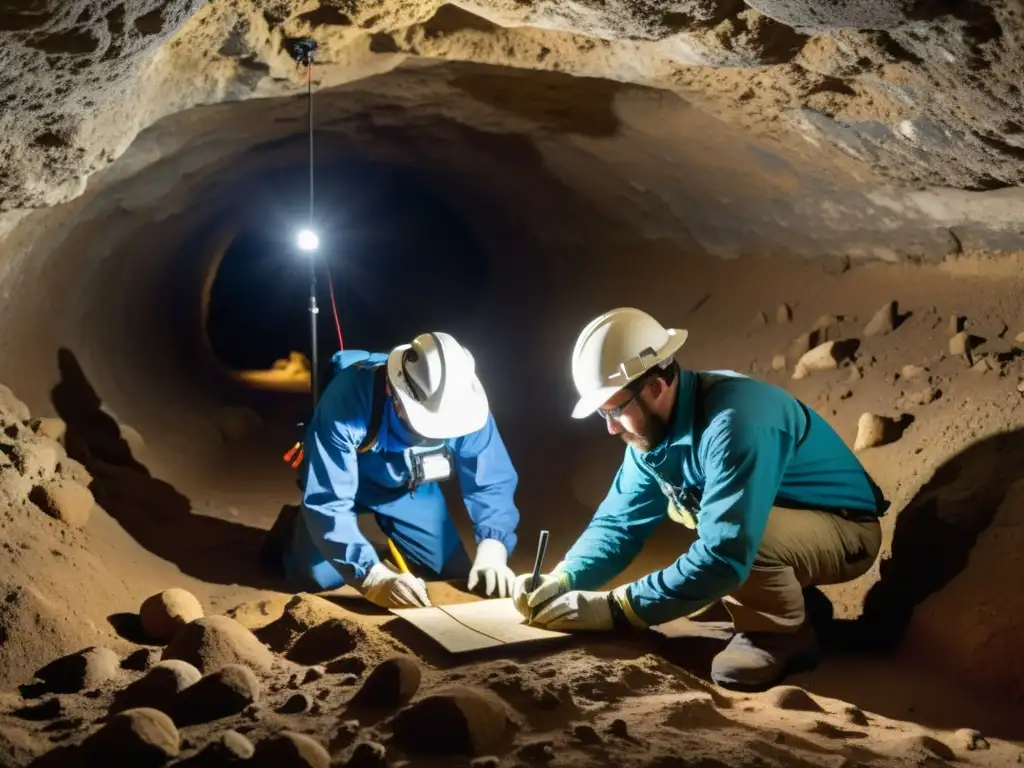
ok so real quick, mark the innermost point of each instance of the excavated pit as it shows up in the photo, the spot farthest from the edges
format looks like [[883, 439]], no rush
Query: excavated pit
[[536, 199]]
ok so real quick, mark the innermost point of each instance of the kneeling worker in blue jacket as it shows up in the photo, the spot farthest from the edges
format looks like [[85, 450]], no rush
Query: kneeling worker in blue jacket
[[778, 501], [387, 430]]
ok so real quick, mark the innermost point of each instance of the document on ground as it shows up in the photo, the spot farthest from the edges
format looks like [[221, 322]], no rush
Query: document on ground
[[475, 626]]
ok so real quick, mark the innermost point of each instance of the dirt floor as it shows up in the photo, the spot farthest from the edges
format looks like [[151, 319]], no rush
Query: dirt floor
[[925, 666]]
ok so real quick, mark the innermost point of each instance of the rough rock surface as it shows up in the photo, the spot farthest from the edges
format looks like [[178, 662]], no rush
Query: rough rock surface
[[846, 76]]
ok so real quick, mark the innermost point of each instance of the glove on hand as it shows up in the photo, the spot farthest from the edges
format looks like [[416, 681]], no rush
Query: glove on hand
[[388, 589], [526, 597], [577, 610], [490, 566]]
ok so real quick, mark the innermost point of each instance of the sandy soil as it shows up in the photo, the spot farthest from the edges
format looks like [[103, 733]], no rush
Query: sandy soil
[[925, 646]]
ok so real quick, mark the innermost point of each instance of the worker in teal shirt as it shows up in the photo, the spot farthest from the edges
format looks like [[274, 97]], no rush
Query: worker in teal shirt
[[778, 501], [387, 430]]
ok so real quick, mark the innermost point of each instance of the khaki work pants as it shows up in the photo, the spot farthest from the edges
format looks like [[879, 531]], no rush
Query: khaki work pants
[[800, 548]]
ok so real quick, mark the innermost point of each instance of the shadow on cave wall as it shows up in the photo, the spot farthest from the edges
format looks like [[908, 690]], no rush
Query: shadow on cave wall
[[933, 539], [150, 510]]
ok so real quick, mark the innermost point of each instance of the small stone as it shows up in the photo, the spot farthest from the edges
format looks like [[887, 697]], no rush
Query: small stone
[[213, 642], [368, 754], [141, 660], [783, 314], [290, 750], [889, 378], [855, 373], [793, 698], [454, 720], [969, 739], [391, 684], [228, 748], [619, 729], [911, 371], [823, 357], [871, 431], [779, 363], [65, 500], [328, 640], [225, 692], [164, 614], [85, 670], [960, 344], [1019, 338], [296, 704], [1020, 386], [883, 321], [158, 688], [760, 320], [922, 397], [956, 324], [137, 737]]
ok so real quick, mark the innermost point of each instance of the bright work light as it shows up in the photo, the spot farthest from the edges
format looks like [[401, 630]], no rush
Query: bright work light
[[307, 240]]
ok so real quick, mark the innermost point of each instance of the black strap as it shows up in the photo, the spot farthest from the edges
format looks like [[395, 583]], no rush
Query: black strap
[[380, 385]]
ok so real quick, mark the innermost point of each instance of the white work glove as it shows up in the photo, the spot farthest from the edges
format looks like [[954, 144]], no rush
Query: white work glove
[[576, 610], [490, 565], [526, 597], [388, 589]]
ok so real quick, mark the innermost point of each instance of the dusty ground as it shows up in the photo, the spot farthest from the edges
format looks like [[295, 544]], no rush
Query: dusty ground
[[952, 549]]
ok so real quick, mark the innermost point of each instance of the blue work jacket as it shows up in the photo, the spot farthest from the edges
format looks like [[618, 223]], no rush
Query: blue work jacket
[[337, 480], [740, 448]]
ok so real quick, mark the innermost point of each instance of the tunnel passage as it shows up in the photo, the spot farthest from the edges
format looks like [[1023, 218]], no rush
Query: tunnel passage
[[575, 195], [399, 258]]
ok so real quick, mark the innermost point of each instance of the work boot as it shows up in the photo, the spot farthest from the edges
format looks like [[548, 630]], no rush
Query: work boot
[[757, 661]]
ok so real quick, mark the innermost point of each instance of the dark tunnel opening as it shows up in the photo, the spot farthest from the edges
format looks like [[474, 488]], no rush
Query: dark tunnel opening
[[399, 258]]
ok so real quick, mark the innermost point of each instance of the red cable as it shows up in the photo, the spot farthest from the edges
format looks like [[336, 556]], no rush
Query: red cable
[[334, 309]]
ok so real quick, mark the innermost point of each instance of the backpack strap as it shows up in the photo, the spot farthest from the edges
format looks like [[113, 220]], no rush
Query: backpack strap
[[380, 393]]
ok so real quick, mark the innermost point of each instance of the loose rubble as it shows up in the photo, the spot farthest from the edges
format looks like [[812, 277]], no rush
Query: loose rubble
[[164, 614], [213, 642]]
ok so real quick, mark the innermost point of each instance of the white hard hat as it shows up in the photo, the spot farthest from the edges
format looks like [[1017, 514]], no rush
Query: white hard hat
[[616, 348], [434, 379]]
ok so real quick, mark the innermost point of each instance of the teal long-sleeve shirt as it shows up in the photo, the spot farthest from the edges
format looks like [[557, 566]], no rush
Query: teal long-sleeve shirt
[[743, 447]]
